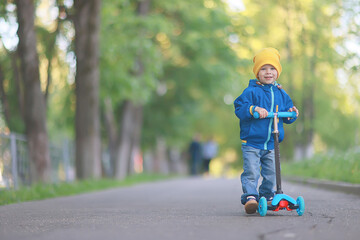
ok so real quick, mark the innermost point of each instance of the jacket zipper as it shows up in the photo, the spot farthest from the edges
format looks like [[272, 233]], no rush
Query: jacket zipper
[[271, 119]]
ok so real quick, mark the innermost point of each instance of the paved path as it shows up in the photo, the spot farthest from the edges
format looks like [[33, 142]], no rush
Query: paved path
[[180, 209]]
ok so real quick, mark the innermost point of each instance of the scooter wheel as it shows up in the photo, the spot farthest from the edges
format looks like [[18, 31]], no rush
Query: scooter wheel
[[262, 208], [301, 205]]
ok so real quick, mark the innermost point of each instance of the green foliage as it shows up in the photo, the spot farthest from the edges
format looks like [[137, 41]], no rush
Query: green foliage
[[61, 112], [16, 123], [61, 98], [7, 17], [130, 60], [304, 34], [199, 67], [335, 166], [186, 61], [42, 191]]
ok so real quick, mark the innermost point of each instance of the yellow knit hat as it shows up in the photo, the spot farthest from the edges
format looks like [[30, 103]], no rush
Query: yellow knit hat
[[267, 56]]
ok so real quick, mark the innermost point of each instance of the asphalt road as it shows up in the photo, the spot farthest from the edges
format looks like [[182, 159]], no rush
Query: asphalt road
[[192, 208]]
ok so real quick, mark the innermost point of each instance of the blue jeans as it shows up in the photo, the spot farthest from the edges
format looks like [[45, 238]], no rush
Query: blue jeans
[[254, 159]]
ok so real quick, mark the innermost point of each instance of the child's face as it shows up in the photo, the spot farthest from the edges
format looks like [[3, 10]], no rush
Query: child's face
[[267, 74]]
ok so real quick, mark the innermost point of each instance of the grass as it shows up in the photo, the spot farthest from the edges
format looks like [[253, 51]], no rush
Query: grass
[[335, 166], [44, 191]]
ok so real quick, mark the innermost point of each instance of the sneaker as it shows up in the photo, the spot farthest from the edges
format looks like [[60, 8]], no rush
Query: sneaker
[[269, 201], [251, 205]]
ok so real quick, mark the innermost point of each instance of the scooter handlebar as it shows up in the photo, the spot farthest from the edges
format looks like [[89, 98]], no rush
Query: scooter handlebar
[[256, 115]]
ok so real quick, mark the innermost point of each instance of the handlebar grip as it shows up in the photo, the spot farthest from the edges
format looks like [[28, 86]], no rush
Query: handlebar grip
[[279, 114]]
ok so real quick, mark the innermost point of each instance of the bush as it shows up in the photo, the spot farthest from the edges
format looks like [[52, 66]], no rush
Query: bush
[[335, 166]]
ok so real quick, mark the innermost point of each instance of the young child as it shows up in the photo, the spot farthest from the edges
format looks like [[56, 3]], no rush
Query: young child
[[263, 95]]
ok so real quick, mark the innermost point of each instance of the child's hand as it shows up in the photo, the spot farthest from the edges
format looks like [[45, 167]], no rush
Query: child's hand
[[294, 109], [262, 112]]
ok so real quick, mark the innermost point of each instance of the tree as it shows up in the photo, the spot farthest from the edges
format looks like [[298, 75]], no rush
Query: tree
[[12, 90], [88, 148], [311, 60], [130, 64], [199, 70], [157, 45], [34, 102]]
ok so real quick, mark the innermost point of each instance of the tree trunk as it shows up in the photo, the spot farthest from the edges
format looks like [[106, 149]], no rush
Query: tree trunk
[[112, 133], [177, 164], [136, 136], [17, 77], [88, 149], [50, 59], [125, 148], [305, 148], [309, 110], [34, 108], [4, 100], [161, 164], [127, 144], [131, 124], [289, 47]]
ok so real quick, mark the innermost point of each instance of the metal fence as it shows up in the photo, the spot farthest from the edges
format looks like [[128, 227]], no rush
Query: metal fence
[[15, 165]]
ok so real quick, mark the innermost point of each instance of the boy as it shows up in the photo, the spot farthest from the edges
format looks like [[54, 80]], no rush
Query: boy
[[263, 95]]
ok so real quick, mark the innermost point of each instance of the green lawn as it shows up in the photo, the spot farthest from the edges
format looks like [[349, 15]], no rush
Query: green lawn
[[335, 166], [43, 191]]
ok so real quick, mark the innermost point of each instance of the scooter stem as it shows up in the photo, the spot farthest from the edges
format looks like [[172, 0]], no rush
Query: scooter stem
[[277, 155], [276, 115]]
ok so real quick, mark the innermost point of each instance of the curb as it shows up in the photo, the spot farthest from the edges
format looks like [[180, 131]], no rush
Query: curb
[[326, 184]]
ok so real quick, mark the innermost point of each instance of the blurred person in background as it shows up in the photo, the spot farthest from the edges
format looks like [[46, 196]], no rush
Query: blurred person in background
[[210, 149], [195, 153]]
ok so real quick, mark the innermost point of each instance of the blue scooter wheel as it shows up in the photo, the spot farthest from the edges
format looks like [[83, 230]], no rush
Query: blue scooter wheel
[[262, 208], [301, 205]]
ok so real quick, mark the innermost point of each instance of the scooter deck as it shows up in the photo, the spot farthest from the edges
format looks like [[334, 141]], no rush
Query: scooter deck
[[282, 201], [279, 197]]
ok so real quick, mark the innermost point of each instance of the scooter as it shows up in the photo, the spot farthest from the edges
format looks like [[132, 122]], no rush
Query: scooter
[[280, 201]]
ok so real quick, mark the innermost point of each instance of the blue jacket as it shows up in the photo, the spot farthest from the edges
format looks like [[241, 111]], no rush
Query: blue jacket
[[257, 133]]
